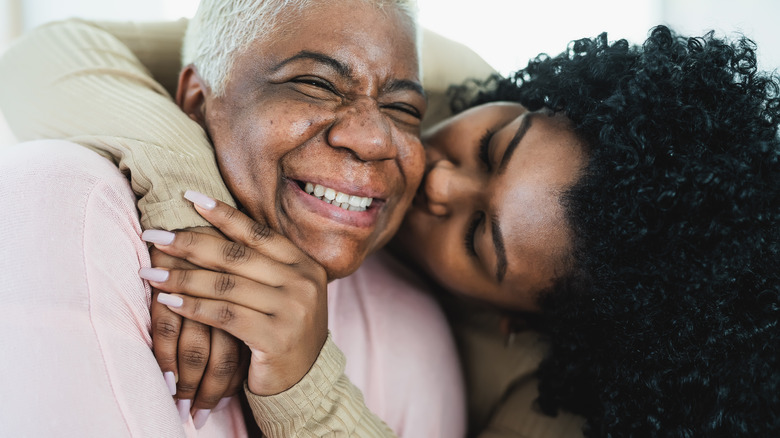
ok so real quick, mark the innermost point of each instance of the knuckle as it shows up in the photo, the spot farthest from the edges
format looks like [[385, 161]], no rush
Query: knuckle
[[166, 328], [224, 284], [182, 278], [194, 357], [258, 233], [230, 214], [185, 240], [226, 314], [186, 388], [224, 369], [233, 252]]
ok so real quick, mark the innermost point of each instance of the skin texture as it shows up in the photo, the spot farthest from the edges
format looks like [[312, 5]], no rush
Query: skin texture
[[461, 192], [337, 105], [257, 286]]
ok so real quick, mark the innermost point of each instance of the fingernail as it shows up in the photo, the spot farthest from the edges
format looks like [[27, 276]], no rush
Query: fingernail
[[200, 417], [154, 274], [169, 300], [184, 409], [158, 236], [223, 403], [200, 199], [170, 380]]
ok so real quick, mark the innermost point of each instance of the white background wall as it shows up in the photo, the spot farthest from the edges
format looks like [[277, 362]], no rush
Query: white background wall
[[505, 32]]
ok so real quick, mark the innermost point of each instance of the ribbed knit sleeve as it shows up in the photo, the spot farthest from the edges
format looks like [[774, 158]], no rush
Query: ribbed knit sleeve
[[73, 80], [323, 403]]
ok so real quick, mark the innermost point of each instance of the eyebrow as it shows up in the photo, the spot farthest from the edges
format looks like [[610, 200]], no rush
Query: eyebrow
[[341, 68], [345, 70], [498, 244], [495, 225], [405, 84], [510, 149]]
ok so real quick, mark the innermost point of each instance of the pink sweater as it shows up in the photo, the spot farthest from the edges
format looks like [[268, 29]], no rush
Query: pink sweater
[[75, 322]]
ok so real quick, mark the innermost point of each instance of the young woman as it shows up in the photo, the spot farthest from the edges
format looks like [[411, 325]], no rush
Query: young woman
[[624, 203]]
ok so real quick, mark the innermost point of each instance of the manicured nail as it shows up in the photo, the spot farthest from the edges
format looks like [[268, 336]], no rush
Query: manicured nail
[[170, 380], [169, 300], [200, 199], [223, 403], [200, 417], [154, 274], [184, 409], [158, 236]]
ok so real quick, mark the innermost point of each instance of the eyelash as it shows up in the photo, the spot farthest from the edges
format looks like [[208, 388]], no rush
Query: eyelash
[[472, 229], [315, 83], [406, 109], [484, 148]]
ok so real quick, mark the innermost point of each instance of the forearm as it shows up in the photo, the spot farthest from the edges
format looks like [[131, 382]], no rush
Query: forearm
[[325, 402], [72, 80]]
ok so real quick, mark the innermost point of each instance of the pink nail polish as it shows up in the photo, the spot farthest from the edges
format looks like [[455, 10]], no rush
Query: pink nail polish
[[169, 300], [200, 199], [170, 381], [223, 403], [158, 236], [200, 417], [154, 274], [184, 409]]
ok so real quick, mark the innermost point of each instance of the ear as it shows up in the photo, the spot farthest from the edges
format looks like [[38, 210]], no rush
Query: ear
[[191, 95]]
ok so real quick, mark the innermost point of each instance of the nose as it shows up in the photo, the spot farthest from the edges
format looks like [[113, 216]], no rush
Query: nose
[[362, 129], [449, 188]]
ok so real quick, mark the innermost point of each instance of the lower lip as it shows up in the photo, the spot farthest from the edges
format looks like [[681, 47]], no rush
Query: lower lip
[[358, 219]]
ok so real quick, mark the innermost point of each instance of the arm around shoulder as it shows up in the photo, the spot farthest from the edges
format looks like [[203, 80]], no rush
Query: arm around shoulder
[[75, 81]]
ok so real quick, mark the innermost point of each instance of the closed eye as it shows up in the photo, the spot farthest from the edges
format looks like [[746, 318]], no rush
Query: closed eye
[[319, 84], [471, 231], [405, 108], [483, 152]]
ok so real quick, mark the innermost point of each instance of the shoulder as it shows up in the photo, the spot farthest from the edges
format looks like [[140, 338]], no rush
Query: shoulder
[[58, 175]]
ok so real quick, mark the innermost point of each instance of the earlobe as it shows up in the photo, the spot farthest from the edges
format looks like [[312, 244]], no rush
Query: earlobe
[[191, 95]]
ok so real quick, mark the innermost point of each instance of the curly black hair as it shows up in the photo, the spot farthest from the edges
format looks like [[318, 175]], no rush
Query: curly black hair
[[666, 325]]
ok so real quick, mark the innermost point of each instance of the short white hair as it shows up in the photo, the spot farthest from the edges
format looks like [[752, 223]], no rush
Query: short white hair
[[222, 29]]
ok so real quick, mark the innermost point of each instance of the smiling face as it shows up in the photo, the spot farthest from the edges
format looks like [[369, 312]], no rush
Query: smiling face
[[329, 110], [487, 222]]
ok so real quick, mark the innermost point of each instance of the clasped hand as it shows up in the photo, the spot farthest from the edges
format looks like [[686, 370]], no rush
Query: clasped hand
[[252, 283]]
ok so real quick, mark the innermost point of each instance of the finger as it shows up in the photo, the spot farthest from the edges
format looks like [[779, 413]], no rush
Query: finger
[[217, 254], [237, 382], [222, 286], [224, 361], [166, 326], [254, 328], [194, 347], [239, 227], [163, 260]]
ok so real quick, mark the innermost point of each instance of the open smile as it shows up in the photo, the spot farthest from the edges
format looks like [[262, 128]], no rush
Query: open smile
[[339, 199]]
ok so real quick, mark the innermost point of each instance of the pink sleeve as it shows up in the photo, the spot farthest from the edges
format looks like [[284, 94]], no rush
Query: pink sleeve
[[74, 315], [399, 348]]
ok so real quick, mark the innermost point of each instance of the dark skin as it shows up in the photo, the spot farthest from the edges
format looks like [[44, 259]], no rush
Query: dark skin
[[331, 105]]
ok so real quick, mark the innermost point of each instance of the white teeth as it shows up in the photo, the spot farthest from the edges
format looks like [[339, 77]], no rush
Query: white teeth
[[343, 200], [330, 194]]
